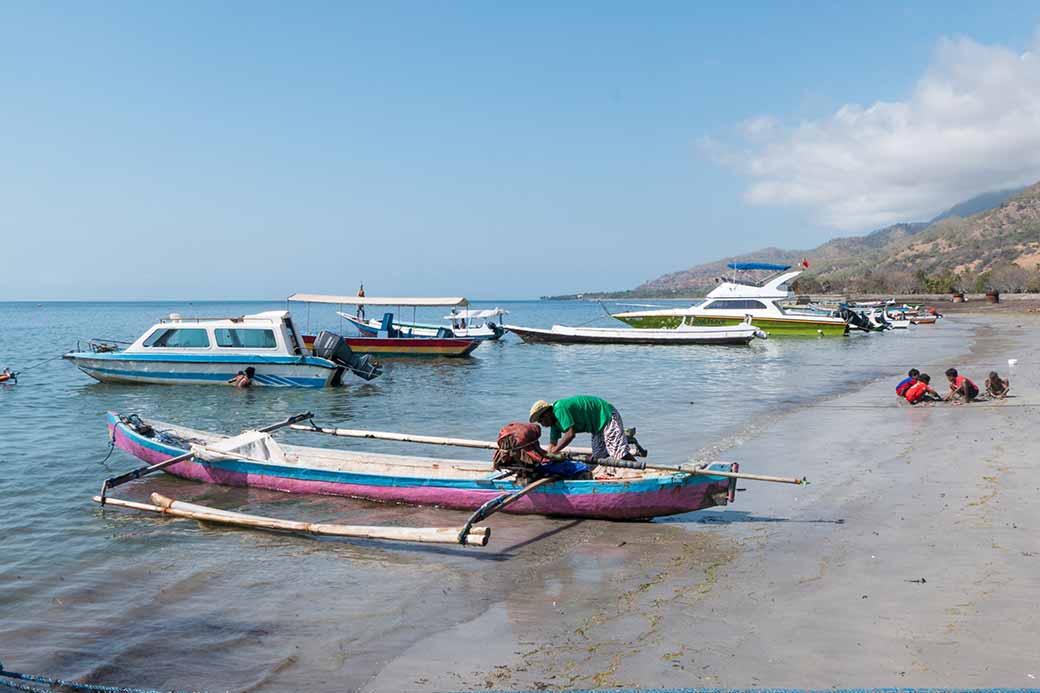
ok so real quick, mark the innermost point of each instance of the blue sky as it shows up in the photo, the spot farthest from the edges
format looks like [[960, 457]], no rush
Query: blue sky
[[249, 150]]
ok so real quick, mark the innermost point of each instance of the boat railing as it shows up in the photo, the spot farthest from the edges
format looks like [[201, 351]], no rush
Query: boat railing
[[240, 318]]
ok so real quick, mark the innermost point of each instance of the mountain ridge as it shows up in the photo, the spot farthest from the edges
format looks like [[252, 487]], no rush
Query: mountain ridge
[[991, 241]]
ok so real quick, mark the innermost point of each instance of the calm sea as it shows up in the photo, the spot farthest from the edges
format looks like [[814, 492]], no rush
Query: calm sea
[[138, 600]]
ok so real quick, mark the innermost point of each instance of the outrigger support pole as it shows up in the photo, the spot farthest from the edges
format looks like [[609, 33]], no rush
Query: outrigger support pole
[[158, 467], [499, 502]]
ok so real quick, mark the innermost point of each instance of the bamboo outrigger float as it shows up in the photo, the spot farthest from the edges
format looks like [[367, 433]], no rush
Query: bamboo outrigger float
[[254, 459]]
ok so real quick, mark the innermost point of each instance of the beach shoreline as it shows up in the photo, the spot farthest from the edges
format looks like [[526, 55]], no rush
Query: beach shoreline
[[878, 573]]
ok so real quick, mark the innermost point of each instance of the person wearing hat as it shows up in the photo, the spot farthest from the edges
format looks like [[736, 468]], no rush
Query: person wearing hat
[[565, 418]]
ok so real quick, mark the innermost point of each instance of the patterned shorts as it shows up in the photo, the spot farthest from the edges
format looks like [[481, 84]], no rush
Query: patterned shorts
[[611, 441]]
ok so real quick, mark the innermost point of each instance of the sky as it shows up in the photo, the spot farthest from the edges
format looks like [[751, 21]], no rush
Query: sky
[[250, 150]]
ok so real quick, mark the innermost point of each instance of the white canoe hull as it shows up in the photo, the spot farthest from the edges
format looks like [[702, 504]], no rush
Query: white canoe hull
[[122, 368], [562, 334]]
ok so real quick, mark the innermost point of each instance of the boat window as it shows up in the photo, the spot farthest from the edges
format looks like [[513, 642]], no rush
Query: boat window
[[193, 338], [245, 339], [743, 304]]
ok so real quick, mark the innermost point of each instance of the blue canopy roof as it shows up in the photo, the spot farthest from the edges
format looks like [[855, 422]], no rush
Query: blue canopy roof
[[757, 266]]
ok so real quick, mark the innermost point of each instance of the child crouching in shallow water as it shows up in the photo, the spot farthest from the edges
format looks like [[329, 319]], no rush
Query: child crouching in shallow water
[[996, 386], [907, 382], [962, 389], [921, 391]]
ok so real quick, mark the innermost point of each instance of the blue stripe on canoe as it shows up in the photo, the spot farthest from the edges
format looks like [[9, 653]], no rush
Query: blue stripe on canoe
[[283, 381], [408, 355], [205, 358], [574, 488]]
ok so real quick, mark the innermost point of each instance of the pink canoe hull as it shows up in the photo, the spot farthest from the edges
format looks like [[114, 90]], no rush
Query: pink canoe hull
[[625, 500]]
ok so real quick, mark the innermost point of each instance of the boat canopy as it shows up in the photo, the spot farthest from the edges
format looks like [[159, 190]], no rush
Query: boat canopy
[[476, 314], [378, 301], [758, 266]]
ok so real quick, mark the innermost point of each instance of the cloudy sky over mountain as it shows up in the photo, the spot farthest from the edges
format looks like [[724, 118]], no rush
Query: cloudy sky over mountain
[[971, 124]]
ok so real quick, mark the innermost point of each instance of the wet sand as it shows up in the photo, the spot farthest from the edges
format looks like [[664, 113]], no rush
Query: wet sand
[[911, 560]]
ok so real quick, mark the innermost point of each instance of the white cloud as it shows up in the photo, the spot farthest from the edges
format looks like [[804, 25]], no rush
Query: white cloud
[[971, 125]]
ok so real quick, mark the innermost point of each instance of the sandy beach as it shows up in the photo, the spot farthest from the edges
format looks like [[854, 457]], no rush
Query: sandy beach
[[910, 560]]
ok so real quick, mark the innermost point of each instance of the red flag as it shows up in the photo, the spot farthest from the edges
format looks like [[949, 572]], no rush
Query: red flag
[[805, 263]]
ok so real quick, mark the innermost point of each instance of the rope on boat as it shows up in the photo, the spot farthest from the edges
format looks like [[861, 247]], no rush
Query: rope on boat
[[53, 683], [15, 374], [111, 449]]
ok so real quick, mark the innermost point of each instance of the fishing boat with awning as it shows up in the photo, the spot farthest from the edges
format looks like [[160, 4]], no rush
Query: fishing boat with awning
[[733, 301], [387, 340], [476, 324]]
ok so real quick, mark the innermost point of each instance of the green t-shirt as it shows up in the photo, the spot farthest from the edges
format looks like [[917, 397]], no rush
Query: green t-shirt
[[586, 414]]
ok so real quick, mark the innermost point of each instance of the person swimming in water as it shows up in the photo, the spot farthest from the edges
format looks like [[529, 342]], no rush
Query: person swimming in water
[[243, 379]]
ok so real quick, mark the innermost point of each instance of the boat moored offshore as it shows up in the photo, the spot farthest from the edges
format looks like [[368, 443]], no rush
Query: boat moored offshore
[[180, 350], [732, 302]]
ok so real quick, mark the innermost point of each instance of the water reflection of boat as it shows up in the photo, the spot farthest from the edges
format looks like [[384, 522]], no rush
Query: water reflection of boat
[[731, 302], [179, 350], [684, 334], [255, 459]]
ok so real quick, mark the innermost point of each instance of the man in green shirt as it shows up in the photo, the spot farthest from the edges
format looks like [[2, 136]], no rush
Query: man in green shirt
[[565, 418]]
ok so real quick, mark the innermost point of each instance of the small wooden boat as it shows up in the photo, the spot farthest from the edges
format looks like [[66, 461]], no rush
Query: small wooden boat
[[386, 340], [406, 347], [464, 323], [255, 459], [684, 334]]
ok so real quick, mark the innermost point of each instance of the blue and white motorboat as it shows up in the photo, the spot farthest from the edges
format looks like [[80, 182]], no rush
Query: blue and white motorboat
[[180, 350]]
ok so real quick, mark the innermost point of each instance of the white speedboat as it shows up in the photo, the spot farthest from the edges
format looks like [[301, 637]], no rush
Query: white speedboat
[[180, 350], [732, 302]]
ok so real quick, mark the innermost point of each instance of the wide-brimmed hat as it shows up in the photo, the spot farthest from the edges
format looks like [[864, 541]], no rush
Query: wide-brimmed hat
[[537, 409]]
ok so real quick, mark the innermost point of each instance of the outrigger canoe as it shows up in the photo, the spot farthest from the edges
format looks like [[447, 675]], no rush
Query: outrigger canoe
[[255, 459]]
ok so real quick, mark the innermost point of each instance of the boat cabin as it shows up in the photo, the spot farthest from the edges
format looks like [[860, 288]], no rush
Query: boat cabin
[[271, 331]]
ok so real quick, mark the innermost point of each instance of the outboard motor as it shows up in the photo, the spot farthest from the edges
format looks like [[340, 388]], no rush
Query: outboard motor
[[857, 320], [329, 345]]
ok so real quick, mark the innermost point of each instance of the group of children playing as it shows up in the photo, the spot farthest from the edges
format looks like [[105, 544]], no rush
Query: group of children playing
[[915, 388]]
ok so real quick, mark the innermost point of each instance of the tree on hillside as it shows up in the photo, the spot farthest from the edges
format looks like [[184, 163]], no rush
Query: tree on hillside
[[944, 282], [1009, 278]]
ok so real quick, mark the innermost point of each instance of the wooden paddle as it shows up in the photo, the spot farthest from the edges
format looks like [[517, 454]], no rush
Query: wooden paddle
[[476, 536], [158, 467]]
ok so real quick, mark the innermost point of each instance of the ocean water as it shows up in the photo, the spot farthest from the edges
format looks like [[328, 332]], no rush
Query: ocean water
[[138, 600]]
